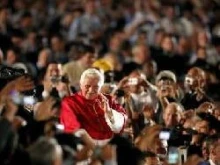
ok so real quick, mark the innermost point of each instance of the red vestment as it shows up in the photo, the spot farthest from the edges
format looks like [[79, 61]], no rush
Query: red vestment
[[78, 112]]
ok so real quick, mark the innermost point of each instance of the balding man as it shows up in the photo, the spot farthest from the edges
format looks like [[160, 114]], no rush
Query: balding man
[[172, 115]]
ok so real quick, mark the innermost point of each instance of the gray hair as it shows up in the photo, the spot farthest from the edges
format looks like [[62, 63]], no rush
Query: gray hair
[[92, 73], [45, 151]]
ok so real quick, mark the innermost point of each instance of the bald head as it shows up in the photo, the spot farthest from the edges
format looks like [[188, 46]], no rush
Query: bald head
[[172, 114]]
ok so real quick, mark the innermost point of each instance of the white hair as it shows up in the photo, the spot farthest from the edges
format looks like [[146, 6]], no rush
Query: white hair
[[92, 73]]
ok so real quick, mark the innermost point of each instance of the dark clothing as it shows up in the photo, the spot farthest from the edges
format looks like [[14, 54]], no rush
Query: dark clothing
[[170, 61], [193, 149], [190, 102], [7, 141]]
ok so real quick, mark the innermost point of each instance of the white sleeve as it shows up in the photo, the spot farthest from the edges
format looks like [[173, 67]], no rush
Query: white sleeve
[[119, 121]]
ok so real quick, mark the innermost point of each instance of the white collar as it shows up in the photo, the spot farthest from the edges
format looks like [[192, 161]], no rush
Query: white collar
[[211, 162]]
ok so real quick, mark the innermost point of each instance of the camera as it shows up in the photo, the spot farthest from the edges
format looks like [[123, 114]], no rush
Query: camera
[[59, 128], [176, 137], [21, 99], [132, 81], [189, 80], [164, 135], [120, 93], [55, 79], [55, 94]]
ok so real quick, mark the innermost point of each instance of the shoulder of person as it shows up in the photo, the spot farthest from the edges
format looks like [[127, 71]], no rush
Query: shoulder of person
[[71, 97], [69, 64]]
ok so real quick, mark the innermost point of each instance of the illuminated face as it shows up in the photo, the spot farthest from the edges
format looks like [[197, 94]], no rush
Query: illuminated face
[[167, 88], [171, 116], [202, 127], [205, 151], [53, 70], [88, 59], [141, 54], [11, 57], [90, 87], [190, 82], [148, 112], [167, 44], [194, 79]]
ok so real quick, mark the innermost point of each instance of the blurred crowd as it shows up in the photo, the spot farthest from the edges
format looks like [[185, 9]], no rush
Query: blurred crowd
[[161, 63]]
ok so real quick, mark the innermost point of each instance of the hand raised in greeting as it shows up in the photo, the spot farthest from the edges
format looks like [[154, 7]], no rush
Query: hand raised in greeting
[[104, 104]]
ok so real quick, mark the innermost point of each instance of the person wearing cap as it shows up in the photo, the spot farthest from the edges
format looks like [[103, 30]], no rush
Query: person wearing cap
[[167, 91]]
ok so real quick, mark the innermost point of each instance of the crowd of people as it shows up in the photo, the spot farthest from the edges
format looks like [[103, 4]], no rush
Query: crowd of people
[[91, 82]]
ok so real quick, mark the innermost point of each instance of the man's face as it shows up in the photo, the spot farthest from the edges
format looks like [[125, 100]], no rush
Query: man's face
[[171, 116], [141, 54], [167, 88], [148, 112], [167, 44], [190, 82], [53, 70], [10, 57], [205, 151], [56, 44], [88, 59], [202, 127], [193, 79], [90, 88]]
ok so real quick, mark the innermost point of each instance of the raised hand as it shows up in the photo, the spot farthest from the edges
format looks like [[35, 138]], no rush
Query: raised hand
[[23, 83], [123, 83], [44, 110], [103, 103]]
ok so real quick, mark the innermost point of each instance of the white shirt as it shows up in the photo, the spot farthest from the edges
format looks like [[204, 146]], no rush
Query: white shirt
[[211, 162]]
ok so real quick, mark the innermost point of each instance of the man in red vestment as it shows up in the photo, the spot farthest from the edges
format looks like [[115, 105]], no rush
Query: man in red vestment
[[98, 114]]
